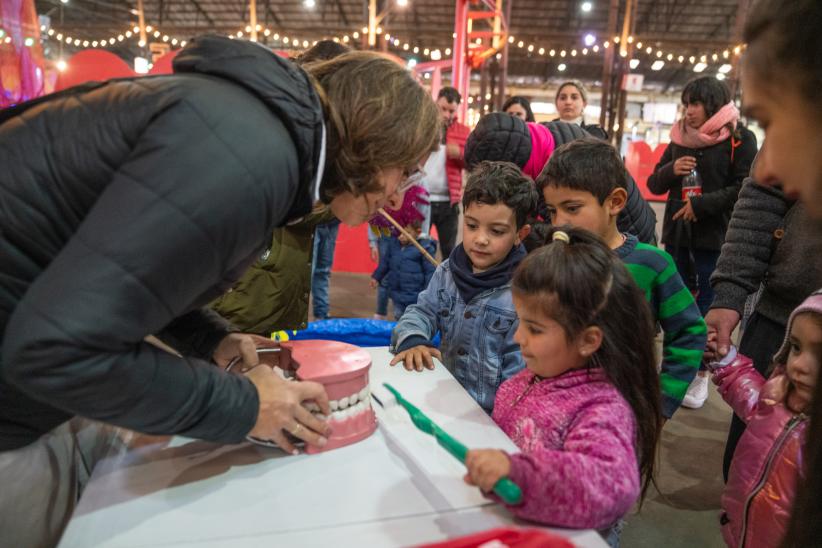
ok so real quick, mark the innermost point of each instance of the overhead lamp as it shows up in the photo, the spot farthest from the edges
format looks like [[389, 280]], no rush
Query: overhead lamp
[[720, 76], [658, 64], [28, 42], [436, 55], [61, 65], [309, 4], [561, 67], [633, 63], [402, 3], [140, 65], [412, 63], [725, 69], [586, 7], [590, 39], [699, 67]]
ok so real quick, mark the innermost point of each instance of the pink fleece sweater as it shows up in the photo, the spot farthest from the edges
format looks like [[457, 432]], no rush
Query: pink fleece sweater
[[578, 466]]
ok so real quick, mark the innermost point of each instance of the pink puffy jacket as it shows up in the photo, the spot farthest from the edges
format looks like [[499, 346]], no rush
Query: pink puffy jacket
[[757, 500]]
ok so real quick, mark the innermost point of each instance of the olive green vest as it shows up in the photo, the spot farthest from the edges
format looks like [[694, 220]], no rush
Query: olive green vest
[[273, 293]]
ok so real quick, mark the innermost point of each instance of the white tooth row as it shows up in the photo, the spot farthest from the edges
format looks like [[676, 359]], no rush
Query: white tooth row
[[350, 411], [348, 402], [363, 395]]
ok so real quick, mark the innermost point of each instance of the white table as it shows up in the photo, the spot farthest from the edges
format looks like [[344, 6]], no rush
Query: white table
[[396, 488]]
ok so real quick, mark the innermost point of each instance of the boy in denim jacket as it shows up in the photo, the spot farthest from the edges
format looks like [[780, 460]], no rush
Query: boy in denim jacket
[[468, 299]]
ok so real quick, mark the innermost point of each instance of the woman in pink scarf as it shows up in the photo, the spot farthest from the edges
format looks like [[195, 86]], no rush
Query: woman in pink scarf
[[709, 142]]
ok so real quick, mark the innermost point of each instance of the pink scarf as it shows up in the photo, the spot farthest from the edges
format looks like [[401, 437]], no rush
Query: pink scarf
[[713, 131], [542, 146]]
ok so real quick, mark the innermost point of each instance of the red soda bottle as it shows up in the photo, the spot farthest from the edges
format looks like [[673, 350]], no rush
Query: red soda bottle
[[691, 185]]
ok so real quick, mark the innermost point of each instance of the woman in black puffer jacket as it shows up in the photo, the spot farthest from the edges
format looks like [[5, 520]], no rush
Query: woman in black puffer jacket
[[501, 137], [126, 206]]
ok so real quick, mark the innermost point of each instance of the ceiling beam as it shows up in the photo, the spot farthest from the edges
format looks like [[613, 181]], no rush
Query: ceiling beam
[[341, 11]]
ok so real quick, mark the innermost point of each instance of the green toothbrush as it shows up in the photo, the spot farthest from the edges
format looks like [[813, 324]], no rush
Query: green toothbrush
[[506, 489]]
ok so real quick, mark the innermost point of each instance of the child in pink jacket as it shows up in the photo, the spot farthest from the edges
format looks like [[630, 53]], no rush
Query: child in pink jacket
[[586, 412], [767, 463]]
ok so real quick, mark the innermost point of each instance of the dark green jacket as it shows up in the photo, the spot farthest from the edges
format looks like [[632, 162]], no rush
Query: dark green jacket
[[273, 293]]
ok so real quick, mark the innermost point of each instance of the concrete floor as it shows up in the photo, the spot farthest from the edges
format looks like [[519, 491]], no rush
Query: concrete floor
[[683, 513]]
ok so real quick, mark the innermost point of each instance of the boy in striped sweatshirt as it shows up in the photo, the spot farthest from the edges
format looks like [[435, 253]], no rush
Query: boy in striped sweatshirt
[[584, 185]]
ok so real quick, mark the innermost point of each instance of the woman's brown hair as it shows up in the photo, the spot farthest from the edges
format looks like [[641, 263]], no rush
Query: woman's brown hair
[[784, 45], [582, 283], [378, 117]]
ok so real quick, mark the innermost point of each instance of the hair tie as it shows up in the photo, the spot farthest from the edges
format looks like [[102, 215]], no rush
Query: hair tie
[[562, 236]]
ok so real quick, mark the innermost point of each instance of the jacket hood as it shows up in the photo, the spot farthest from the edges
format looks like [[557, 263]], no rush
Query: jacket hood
[[279, 83], [812, 304], [498, 137]]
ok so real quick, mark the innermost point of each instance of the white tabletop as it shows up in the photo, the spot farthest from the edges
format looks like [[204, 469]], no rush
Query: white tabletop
[[397, 487]]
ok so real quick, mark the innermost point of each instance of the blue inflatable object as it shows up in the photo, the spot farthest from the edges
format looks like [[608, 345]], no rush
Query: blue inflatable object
[[357, 331]]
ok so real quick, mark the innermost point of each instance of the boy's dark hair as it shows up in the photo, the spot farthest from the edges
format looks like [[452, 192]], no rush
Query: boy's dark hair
[[583, 283], [451, 94], [707, 90], [589, 164], [501, 183]]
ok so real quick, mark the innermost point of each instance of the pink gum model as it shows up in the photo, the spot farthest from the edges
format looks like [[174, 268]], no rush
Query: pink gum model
[[343, 370]]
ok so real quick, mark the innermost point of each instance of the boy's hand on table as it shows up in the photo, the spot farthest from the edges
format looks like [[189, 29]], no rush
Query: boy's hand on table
[[417, 358], [486, 467]]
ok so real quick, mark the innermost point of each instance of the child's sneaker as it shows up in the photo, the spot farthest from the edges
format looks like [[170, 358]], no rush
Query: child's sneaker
[[697, 392]]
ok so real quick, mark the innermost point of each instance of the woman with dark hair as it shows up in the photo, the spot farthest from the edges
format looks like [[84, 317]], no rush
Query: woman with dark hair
[[571, 100], [706, 144], [520, 107], [783, 46], [130, 204]]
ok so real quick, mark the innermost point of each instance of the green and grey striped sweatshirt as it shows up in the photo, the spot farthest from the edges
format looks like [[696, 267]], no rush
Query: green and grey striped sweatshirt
[[684, 330]]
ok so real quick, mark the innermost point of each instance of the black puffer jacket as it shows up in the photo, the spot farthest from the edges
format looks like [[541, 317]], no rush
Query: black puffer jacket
[[127, 206], [503, 137], [722, 169]]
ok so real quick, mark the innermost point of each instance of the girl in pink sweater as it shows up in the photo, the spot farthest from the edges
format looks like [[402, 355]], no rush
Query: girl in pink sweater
[[586, 411]]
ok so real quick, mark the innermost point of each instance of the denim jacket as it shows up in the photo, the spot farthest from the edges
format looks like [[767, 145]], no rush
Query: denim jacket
[[478, 345]]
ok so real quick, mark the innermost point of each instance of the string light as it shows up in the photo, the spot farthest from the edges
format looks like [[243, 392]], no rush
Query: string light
[[434, 54]]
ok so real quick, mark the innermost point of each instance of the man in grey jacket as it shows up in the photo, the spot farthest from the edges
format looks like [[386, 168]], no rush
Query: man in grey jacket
[[771, 242]]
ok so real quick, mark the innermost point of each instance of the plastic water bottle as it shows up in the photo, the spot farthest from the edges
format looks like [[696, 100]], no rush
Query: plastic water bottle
[[691, 185]]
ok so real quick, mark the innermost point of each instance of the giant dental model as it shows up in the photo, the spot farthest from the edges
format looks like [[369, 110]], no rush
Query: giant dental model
[[343, 370]]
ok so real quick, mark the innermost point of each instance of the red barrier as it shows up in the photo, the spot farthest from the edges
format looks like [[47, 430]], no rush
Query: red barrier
[[640, 162], [352, 253]]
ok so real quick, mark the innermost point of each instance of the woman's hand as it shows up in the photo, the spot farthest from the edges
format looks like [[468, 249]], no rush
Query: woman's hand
[[683, 165], [281, 409], [418, 357], [242, 345], [486, 467], [686, 213], [375, 254], [373, 283]]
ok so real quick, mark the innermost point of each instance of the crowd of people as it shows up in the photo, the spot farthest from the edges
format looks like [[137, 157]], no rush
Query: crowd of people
[[198, 209]]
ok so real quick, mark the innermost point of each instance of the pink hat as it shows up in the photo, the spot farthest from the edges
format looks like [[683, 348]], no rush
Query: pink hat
[[542, 146], [811, 304]]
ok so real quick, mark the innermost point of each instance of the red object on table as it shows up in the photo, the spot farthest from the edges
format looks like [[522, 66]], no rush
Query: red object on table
[[506, 536]]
